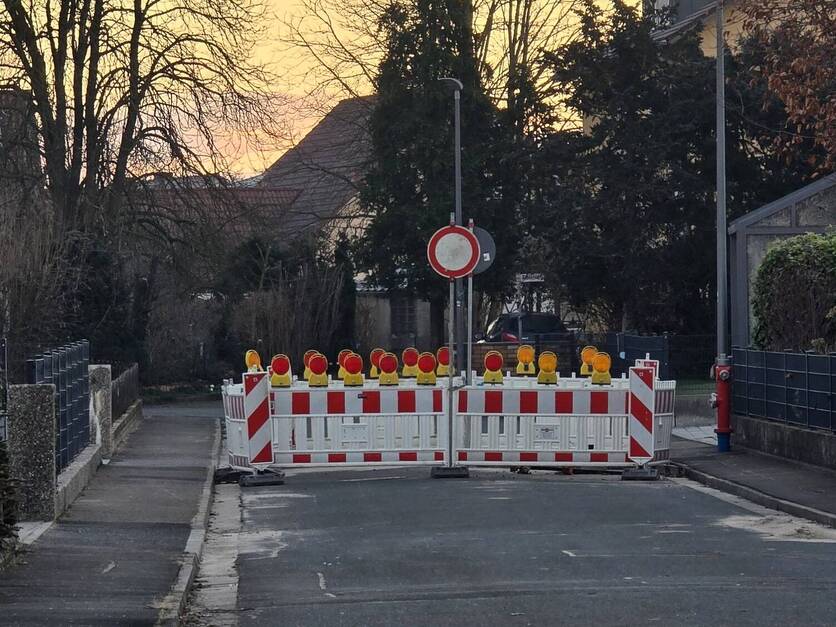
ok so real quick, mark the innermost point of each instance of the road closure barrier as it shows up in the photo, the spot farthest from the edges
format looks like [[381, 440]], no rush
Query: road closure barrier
[[499, 420]]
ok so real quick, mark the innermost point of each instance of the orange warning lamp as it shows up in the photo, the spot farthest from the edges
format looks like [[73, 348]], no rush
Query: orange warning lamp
[[547, 363], [525, 360], [374, 358], [318, 365], [601, 369], [493, 367], [410, 363], [280, 371], [426, 369], [587, 355], [388, 365], [253, 361], [305, 359], [443, 357], [353, 366], [340, 357]]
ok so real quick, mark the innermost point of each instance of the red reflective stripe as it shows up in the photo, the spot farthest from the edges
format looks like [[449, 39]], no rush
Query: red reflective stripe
[[563, 402], [637, 450], [299, 458], [462, 401], [372, 457], [437, 403], [408, 456], [265, 455], [528, 457], [371, 403], [336, 458], [336, 402], [599, 403], [256, 420], [252, 379], [406, 401], [493, 402], [300, 403], [528, 402], [439, 456], [563, 457], [493, 456], [462, 456], [641, 413], [598, 457]]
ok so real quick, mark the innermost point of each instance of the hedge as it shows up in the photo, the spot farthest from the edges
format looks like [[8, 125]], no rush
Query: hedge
[[794, 301]]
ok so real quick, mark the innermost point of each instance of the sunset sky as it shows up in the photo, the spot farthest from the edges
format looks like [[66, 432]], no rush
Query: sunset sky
[[297, 78]]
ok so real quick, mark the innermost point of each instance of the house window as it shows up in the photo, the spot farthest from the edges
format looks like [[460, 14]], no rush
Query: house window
[[403, 316]]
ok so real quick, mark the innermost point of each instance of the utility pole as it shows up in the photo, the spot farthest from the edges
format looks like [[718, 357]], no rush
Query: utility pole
[[722, 370], [456, 85]]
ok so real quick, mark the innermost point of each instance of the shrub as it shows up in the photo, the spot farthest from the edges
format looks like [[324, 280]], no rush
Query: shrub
[[794, 300]]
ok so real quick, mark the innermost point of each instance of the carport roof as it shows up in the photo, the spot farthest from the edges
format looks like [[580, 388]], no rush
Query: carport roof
[[753, 217]]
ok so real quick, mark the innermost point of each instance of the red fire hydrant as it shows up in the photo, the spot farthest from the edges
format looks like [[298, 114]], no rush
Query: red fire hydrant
[[721, 400]]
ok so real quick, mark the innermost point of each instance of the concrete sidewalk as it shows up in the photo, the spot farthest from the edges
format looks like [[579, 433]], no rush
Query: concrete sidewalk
[[798, 489], [112, 558]]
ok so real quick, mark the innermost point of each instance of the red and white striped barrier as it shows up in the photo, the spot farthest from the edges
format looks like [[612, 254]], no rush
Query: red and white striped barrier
[[642, 406], [520, 422], [257, 413]]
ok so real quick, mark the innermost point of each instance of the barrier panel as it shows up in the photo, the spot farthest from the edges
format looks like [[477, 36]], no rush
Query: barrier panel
[[572, 423], [345, 425]]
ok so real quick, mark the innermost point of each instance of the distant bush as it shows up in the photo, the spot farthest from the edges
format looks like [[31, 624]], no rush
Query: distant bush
[[794, 300]]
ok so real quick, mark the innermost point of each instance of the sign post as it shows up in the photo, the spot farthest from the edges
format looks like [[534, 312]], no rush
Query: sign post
[[453, 252]]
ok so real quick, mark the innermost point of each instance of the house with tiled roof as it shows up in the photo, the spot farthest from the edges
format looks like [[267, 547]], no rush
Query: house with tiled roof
[[328, 166]]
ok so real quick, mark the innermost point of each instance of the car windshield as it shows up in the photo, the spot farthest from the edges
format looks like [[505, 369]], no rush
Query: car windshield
[[542, 324], [495, 326]]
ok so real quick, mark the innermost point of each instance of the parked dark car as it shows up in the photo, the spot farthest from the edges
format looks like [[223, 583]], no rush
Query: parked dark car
[[533, 327]]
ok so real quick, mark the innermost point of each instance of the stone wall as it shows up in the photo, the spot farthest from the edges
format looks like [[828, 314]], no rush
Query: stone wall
[[31, 442], [777, 438]]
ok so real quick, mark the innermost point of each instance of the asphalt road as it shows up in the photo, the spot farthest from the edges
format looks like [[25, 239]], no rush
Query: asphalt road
[[394, 547]]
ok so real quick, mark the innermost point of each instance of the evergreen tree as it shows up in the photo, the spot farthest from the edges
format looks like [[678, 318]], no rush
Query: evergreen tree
[[409, 191]]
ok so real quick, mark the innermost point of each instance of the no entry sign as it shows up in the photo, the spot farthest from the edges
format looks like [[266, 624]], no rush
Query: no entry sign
[[453, 251]]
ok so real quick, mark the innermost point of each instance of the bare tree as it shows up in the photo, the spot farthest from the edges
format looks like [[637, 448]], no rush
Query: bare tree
[[338, 46], [122, 87]]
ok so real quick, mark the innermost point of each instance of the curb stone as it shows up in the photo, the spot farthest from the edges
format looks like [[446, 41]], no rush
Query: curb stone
[[172, 606], [756, 496]]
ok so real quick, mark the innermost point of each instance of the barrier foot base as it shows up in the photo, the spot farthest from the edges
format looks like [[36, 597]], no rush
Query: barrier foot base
[[262, 477], [645, 473], [227, 475], [446, 472]]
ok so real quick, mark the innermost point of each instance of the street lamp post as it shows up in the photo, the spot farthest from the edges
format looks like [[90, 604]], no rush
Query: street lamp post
[[722, 370], [456, 86]]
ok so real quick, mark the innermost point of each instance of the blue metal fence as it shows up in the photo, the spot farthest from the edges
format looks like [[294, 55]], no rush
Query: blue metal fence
[[796, 388], [66, 367]]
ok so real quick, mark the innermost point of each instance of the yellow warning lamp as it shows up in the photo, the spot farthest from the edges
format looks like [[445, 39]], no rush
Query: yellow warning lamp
[[547, 363], [426, 369], [280, 371], [318, 365], [525, 360], [587, 355], [353, 366], [410, 363], [374, 358], [340, 357], [601, 369], [388, 365], [493, 367], [305, 359], [253, 361], [442, 355]]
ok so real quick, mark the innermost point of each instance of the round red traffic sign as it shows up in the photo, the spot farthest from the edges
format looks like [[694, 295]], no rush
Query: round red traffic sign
[[453, 251]]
